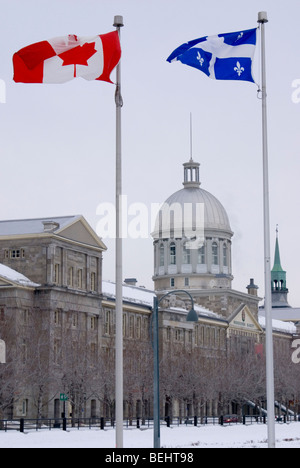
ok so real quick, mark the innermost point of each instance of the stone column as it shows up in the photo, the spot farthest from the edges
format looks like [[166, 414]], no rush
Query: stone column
[[88, 273], [50, 264]]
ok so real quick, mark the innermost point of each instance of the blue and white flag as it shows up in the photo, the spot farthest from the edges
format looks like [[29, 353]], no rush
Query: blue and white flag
[[222, 57]]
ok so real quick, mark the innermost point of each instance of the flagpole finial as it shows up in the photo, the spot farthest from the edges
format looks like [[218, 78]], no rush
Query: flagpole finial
[[262, 17], [118, 21]]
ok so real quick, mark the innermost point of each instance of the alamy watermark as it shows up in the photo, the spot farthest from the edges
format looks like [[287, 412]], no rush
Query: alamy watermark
[[296, 92], [2, 92], [161, 221], [296, 353]]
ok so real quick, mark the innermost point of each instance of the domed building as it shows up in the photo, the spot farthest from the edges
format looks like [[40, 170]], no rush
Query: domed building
[[192, 243], [192, 240], [192, 248]]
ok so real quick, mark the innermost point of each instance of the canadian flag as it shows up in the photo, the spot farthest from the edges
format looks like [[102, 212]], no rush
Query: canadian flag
[[63, 58]]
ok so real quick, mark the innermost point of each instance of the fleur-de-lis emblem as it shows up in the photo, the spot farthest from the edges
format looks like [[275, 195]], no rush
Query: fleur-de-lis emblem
[[201, 60], [239, 69]]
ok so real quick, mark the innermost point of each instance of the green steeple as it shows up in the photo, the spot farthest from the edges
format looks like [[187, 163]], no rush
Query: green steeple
[[278, 275], [277, 263]]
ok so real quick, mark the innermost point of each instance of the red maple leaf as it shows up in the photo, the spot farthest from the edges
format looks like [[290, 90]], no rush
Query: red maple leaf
[[78, 55]]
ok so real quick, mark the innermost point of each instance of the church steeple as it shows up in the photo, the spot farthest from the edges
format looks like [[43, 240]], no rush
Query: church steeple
[[278, 278]]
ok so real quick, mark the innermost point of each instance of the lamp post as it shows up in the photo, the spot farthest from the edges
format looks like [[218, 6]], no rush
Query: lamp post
[[191, 317]]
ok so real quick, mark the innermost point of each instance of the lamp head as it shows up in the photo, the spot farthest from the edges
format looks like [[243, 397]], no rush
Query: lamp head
[[192, 316]]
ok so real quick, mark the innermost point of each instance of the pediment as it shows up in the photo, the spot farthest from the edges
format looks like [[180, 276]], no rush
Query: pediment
[[5, 282], [243, 319], [80, 231], [10, 278]]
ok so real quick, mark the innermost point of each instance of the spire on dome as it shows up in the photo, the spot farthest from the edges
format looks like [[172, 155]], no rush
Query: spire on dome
[[191, 168]]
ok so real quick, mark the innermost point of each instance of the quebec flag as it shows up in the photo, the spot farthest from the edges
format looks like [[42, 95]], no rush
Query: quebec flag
[[222, 57]]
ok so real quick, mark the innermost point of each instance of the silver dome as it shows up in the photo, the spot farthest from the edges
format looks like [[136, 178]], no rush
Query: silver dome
[[215, 216], [191, 210]]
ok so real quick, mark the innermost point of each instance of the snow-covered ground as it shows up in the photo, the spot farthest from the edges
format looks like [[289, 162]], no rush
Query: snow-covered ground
[[252, 436]]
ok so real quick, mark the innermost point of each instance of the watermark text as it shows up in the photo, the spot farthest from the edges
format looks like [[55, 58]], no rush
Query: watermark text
[[296, 353], [2, 92], [161, 221], [296, 92]]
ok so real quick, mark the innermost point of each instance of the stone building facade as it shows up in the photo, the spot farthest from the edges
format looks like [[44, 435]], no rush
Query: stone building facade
[[52, 316], [194, 255], [57, 320]]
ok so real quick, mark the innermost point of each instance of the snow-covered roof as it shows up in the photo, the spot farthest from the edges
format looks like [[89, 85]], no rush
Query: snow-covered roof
[[291, 314], [278, 325], [33, 226], [200, 310], [133, 294], [203, 311], [16, 277]]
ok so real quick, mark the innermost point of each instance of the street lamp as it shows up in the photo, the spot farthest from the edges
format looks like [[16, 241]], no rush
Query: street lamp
[[191, 317]]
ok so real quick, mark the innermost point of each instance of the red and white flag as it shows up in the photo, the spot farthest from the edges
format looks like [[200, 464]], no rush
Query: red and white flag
[[63, 58]]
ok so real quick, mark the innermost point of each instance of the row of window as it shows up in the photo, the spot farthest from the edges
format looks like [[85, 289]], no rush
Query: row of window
[[204, 336], [58, 317], [92, 349], [24, 315], [74, 280], [57, 347], [210, 337], [14, 253], [186, 282], [92, 352], [137, 327], [186, 255], [179, 335], [133, 326], [58, 314], [278, 285]]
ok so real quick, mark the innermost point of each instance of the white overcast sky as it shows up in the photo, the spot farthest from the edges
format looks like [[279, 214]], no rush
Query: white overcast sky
[[58, 141]]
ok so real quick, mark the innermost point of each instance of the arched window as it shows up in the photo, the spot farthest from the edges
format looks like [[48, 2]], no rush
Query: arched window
[[161, 255], [201, 255], [215, 254], [225, 258], [172, 253], [186, 255]]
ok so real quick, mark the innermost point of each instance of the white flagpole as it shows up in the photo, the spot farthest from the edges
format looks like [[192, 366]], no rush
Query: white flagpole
[[118, 23], [262, 19]]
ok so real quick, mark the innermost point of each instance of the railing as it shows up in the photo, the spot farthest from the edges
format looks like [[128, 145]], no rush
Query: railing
[[24, 425]]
